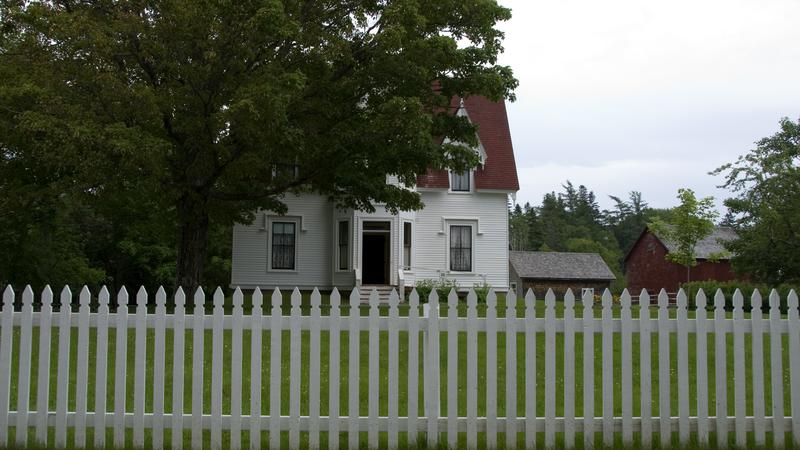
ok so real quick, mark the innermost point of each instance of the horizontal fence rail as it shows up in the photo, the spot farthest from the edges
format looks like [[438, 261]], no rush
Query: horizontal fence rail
[[450, 372]]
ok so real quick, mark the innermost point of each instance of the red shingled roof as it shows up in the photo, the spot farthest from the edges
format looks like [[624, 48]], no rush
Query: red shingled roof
[[500, 170]]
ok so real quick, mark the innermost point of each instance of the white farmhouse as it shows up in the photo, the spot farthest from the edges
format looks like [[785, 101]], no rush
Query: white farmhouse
[[461, 234]]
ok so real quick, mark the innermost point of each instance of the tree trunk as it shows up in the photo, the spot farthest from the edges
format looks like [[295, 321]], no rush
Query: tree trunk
[[194, 222]]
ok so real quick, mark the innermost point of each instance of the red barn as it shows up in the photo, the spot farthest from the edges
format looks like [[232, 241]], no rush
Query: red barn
[[647, 268]]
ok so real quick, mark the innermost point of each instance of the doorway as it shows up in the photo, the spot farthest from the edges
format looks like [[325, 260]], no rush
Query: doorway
[[375, 252]]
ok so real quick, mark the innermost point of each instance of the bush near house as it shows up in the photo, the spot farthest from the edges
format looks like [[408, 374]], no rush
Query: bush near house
[[729, 287], [442, 286]]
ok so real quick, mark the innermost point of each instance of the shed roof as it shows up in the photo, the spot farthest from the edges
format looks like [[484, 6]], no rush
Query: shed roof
[[560, 266]]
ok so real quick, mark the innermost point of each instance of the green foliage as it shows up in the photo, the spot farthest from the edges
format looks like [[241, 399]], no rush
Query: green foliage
[[728, 288], [766, 209], [691, 221], [481, 291], [442, 286], [203, 110]]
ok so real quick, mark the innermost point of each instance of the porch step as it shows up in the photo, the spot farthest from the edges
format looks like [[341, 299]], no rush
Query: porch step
[[383, 292]]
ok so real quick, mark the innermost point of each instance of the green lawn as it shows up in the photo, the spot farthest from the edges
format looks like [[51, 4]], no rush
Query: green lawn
[[363, 397]]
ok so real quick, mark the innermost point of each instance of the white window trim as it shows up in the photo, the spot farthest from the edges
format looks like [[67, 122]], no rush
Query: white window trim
[[473, 227], [411, 258], [337, 250], [471, 183], [280, 219]]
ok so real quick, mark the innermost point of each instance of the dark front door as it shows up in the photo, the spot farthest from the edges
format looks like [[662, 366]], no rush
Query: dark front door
[[375, 258]]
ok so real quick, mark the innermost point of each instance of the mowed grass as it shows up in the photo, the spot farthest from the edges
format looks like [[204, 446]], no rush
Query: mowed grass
[[364, 394]]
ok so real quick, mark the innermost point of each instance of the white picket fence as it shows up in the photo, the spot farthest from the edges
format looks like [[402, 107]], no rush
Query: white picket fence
[[431, 425]]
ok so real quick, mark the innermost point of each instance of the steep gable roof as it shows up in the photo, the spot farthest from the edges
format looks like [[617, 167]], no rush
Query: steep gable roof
[[711, 245], [560, 266], [499, 172]]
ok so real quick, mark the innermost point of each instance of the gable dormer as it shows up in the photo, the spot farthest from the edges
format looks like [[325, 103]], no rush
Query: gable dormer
[[498, 170]]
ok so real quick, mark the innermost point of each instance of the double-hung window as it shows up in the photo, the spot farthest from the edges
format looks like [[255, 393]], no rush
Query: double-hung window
[[407, 245], [459, 182], [283, 245], [461, 248], [344, 245]]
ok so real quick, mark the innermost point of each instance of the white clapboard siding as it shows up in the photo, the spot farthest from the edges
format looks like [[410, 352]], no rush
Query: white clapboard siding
[[385, 325]]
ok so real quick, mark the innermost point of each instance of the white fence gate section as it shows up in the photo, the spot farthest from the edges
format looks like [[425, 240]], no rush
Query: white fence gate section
[[419, 332]]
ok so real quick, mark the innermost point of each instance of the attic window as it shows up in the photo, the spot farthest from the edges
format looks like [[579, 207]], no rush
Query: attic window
[[459, 182]]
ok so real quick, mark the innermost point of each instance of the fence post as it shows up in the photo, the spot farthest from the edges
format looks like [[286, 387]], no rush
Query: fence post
[[757, 325], [776, 360], [62, 383], [120, 362], [491, 369], [720, 369], [739, 391], [588, 369], [626, 351], [275, 380], [393, 367], [354, 341], [6, 344], [683, 367], [645, 368], [702, 367], [158, 368], [45, 341], [334, 370], [256, 334], [198, 356], [432, 370], [82, 369], [511, 369], [178, 361], [217, 343], [413, 367], [140, 368], [314, 370], [549, 368], [794, 362], [23, 380], [452, 369]]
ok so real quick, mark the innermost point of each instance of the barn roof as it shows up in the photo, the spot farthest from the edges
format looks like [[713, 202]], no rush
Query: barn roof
[[711, 245], [560, 266], [499, 172]]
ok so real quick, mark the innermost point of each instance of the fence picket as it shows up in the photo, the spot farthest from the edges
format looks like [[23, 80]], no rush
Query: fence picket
[[101, 369], [275, 370], [645, 369], [452, 369], [82, 368], [120, 363], [413, 367], [294, 370], [62, 380], [663, 369], [626, 352], [569, 369], [256, 335], [608, 369], [683, 367], [6, 344], [198, 341], [491, 369], [217, 343], [740, 405], [236, 369], [701, 303], [313, 370], [24, 369], [158, 367], [432, 370], [720, 364], [511, 369], [394, 368], [472, 369], [776, 372], [549, 369], [757, 326], [178, 361], [45, 342], [530, 370], [794, 362], [334, 369], [373, 386], [588, 369], [140, 368], [354, 337]]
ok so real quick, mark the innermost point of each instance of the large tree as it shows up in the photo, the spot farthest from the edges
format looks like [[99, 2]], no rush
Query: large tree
[[215, 109], [766, 209]]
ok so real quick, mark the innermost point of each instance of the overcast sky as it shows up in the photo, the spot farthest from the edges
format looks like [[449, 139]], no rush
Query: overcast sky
[[625, 95]]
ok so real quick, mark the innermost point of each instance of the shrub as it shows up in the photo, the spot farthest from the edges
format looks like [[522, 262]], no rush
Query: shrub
[[729, 287], [442, 286], [482, 291]]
